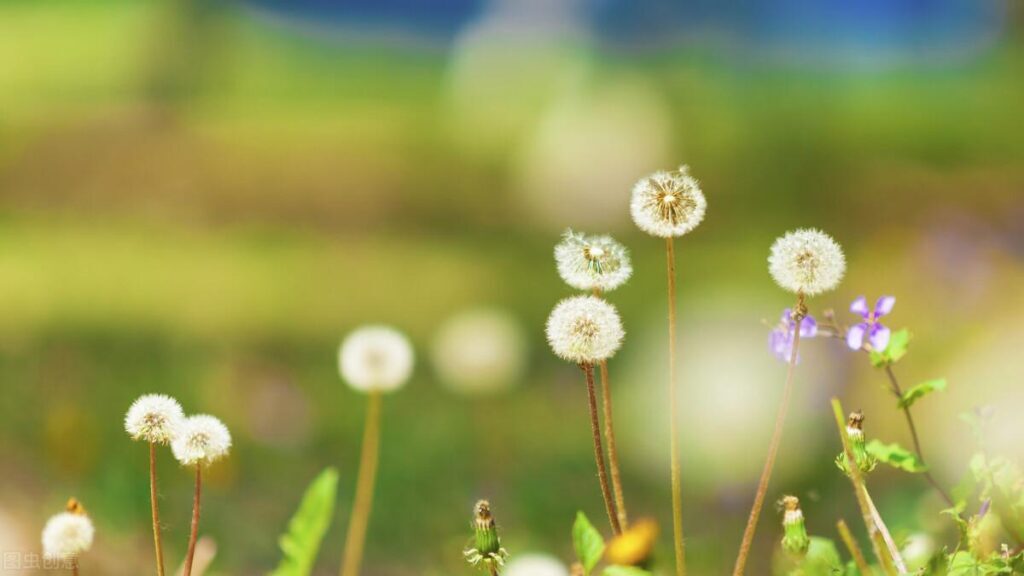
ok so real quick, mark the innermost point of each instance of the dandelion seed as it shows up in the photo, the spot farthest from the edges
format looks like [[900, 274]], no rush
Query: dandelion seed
[[376, 358], [668, 204], [592, 262], [68, 534], [203, 440], [155, 418], [584, 330], [807, 262]]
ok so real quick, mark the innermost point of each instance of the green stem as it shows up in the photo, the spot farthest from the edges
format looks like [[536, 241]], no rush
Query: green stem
[[356, 536]]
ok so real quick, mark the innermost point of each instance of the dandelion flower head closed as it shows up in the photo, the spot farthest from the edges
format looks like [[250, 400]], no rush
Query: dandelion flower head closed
[[203, 440], [584, 330], [592, 262], [376, 358], [807, 262], [154, 418], [68, 534], [668, 204]]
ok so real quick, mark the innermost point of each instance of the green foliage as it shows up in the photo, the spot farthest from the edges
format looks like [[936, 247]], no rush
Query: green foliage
[[896, 456], [897, 349], [624, 571], [822, 559], [966, 564], [587, 542], [920, 391], [307, 527]]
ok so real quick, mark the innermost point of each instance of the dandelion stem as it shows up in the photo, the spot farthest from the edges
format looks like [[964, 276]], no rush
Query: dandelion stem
[[493, 568], [895, 385], [773, 447], [880, 538], [674, 465], [613, 453], [360, 518], [155, 507], [194, 532], [853, 547], [602, 473], [74, 567]]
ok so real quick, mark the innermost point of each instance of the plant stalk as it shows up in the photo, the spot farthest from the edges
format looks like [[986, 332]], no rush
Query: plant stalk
[[853, 547], [194, 532], [609, 436], [358, 522], [675, 466], [602, 473], [155, 508]]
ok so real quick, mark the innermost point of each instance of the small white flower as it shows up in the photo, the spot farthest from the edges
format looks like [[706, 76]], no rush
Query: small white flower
[[535, 565], [668, 204], [589, 262], [480, 351], [67, 535], [376, 358], [154, 418], [807, 261], [203, 440], [584, 330]]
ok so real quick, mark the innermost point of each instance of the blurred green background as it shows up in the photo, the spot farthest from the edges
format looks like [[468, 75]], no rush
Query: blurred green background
[[201, 200]]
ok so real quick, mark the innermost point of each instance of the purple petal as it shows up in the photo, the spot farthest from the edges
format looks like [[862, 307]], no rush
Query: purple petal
[[879, 338], [787, 318], [884, 305], [855, 337], [860, 306], [808, 327]]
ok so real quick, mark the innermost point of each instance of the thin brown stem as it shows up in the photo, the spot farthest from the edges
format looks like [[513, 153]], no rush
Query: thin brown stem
[[613, 453], [155, 507], [602, 473], [853, 547], [194, 532], [493, 568], [74, 567], [895, 386], [360, 519], [674, 464], [773, 446], [890, 544]]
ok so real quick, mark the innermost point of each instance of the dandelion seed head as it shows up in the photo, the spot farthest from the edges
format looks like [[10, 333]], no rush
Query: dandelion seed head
[[154, 418], [807, 262], [480, 351], [668, 204], [376, 358], [535, 565], [203, 440], [592, 262], [67, 535], [584, 330]]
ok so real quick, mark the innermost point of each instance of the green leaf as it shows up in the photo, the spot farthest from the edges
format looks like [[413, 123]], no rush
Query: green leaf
[[624, 571], [920, 391], [307, 527], [587, 541], [896, 456], [822, 558], [897, 348]]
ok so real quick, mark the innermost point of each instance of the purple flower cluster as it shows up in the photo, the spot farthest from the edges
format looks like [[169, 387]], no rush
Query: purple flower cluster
[[875, 332], [780, 340]]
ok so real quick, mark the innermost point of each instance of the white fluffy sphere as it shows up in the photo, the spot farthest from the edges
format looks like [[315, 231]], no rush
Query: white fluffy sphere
[[154, 418], [807, 261], [203, 440], [376, 358], [535, 565], [592, 262], [480, 351], [668, 204], [584, 330], [67, 535]]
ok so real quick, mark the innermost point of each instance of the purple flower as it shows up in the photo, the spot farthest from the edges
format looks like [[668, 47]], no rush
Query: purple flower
[[877, 334], [780, 340]]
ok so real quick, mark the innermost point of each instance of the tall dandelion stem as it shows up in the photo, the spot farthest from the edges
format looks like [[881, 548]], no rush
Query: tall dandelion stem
[[613, 453], [676, 471], [154, 505], [360, 517], [602, 473], [194, 532], [773, 447]]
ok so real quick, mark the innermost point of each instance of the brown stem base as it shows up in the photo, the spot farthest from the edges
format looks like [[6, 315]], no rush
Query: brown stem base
[[602, 472]]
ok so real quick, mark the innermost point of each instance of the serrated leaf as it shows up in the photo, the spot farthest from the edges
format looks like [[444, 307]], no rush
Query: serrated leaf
[[307, 527], [896, 456], [920, 391], [897, 349], [624, 571], [587, 542]]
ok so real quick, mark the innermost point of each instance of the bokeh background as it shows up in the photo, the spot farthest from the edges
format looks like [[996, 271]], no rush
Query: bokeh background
[[202, 198]]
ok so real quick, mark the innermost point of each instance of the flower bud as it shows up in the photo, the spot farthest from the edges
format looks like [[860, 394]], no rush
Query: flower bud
[[794, 540], [858, 446], [486, 548]]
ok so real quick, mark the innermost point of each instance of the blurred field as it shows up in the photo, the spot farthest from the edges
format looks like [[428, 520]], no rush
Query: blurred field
[[203, 201]]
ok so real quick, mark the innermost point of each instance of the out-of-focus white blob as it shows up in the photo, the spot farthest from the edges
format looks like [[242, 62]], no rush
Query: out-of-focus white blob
[[507, 67], [729, 388], [918, 550], [589, 150], [531, 564], [480, 351]]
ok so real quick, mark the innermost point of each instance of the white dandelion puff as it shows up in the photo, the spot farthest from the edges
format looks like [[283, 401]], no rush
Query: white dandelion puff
[[592, 262], [668, 204], [535, 565], [584, 330], [480, 351], [203, 440], [67, 535], [807, 262], [376, 358], [155, 418]]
